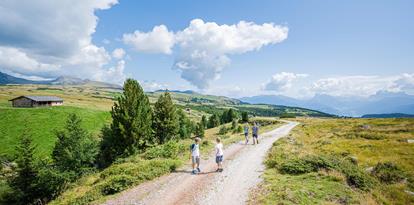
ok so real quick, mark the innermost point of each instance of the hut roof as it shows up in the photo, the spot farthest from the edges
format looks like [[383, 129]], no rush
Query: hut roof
[[41, 98]]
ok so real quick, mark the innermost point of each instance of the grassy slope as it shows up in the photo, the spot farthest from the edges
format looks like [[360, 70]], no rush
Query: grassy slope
[[42, 124], [136, 169], [383, 140]]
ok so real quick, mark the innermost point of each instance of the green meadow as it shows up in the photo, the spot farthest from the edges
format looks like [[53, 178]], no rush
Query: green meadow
[[42, 123], [341, 161]]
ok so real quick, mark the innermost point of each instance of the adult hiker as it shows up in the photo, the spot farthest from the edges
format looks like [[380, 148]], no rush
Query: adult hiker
[[246, 132], [255, 133]]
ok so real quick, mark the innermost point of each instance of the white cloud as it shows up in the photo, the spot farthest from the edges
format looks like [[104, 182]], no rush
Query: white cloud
[[363, 85], [150, 86], [203, 48], [282, 81], [159, 40], [48, 39], [118, 53]]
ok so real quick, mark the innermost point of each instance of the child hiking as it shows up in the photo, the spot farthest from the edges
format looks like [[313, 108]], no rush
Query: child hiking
[[255, 132], [195, 155], [246, 132], [219, 155]]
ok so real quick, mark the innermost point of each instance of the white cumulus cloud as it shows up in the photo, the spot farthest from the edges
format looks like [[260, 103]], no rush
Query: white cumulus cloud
[[118, 53], [159, 40], [363, 85], [51, 38], [282, 81], [203, 48]]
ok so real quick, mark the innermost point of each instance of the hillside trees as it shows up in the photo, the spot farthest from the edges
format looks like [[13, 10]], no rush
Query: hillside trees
[[204, 121], [165, 124], [213, 121], [23, 183], [131, 128], [75, 150], [244, 117], [228, 116], [199, 130], [186, 127]]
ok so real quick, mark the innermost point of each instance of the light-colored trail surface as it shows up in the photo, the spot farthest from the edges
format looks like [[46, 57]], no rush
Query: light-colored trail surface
[[242, 169]]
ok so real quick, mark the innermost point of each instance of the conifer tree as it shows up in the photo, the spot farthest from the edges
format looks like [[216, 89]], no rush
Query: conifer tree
[[165, 122], [23, 183], [185, 125], [75, 150], [131, 128], [204, 121], [199, 130], [213, 121], [245, 117]]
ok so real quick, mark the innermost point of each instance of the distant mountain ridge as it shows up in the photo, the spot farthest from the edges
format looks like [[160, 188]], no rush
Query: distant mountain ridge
[[388, 115], [381, 102], [62, 80]]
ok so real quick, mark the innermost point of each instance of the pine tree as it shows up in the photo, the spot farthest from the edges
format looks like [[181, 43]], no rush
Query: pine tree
[[131, 128], [165, 122], [204, 121], [213, 121], [23, 183], [245, 117], [199, 130], [75, 150], [186, 127]]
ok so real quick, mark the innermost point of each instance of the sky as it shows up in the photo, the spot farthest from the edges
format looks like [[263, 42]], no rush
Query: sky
[[232, 48]]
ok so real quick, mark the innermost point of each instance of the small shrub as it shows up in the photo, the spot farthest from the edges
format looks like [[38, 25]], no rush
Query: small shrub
[[370, 136], [223, 130], [171, 149], [388, 173], [307, 164], [295, 166], [116, 184], [205, 143], [356, 177]]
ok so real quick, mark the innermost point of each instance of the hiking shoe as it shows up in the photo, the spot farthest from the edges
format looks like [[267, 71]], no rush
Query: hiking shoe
[[221, 170], [198, 169], [193, 172], [218, 170]]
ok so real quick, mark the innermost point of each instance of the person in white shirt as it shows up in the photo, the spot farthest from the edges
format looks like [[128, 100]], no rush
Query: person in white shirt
[[195, 155], [219, 155]]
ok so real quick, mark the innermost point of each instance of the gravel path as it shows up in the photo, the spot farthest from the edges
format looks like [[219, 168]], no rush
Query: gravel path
[[242, 169]]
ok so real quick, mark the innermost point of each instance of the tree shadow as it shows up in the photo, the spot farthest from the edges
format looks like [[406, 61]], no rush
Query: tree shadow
[[190, 172]]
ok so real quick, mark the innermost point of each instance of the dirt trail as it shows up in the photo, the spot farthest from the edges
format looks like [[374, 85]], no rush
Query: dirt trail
[[242, 169]]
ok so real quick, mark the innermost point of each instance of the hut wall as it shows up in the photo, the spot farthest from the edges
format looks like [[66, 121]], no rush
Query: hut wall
[[22, 102]]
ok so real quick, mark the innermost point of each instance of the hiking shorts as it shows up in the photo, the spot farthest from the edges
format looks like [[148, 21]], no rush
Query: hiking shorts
[[255, 136], [219, 159], [195, 159]]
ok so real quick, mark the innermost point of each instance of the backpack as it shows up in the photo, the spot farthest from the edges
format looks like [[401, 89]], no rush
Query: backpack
[[192, 147]]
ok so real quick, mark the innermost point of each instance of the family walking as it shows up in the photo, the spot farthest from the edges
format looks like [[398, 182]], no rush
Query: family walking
[[195, 149]]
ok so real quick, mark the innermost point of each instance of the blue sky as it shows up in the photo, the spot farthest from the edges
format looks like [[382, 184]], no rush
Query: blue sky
[[332, 47]]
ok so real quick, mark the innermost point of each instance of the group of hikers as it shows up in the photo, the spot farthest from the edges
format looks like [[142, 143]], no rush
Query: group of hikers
[[195, 148]]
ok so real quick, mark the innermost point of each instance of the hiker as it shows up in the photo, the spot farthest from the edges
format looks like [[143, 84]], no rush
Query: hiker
[[255, 132], [246, 132], [219, 155], [195, 155]]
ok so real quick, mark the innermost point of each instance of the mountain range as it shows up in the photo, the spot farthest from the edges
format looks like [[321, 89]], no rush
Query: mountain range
[[62, 80], [380, 103]]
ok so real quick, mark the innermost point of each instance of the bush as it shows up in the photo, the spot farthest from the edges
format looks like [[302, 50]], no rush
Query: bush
[[116, 184], [388, 173], [356, 177], [370, 136], [295, 166], [222, 130], [171, 149], [307, 164]]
